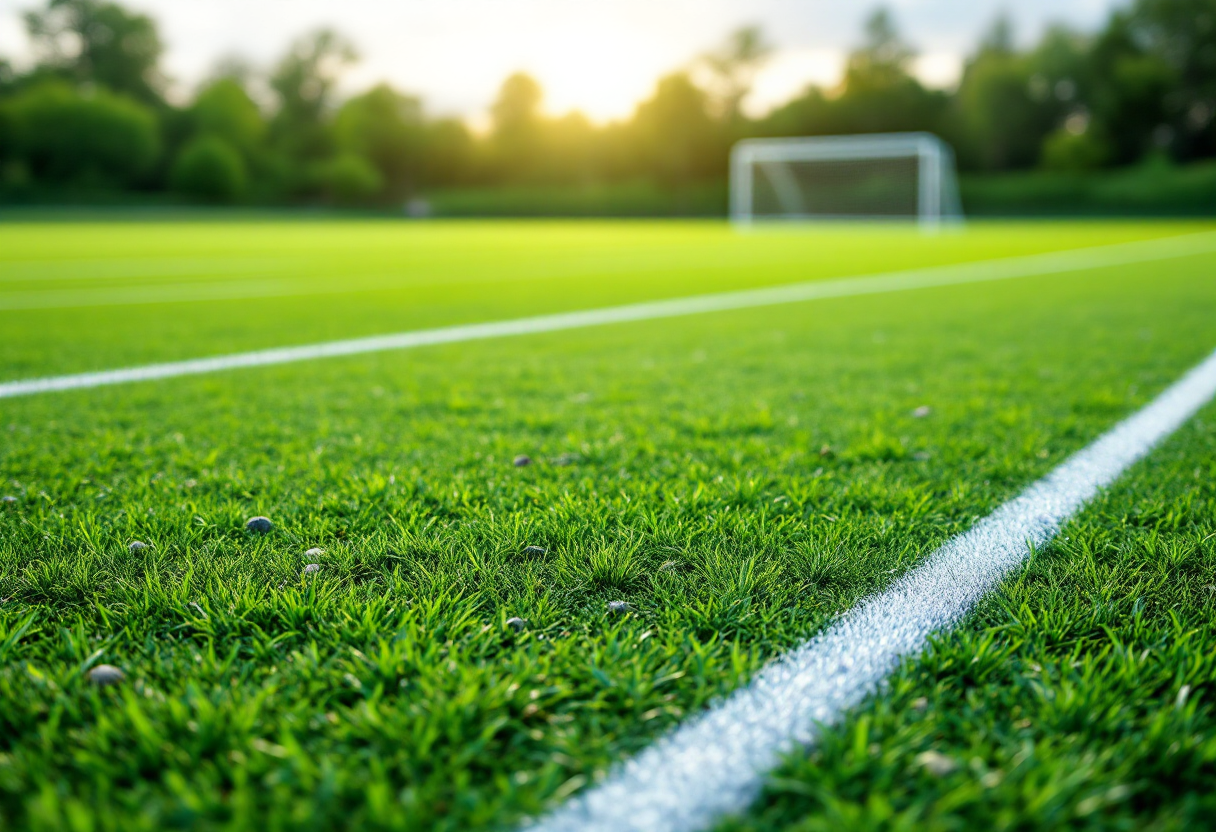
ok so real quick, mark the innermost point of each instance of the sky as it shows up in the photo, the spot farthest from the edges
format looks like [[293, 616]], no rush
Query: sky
[[597, 56]]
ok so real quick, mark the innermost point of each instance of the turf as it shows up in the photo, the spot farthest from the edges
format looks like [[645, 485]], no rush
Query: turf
[[90, 296], [1079, 696], [738, 479]]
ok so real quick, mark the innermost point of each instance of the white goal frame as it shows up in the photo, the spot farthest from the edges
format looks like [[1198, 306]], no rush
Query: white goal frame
[[937, 199]]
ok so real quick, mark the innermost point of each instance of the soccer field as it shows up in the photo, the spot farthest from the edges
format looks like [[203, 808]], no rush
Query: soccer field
[[740, 478]]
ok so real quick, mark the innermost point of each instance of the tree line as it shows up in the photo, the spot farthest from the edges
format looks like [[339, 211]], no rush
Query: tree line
[[92, 113]]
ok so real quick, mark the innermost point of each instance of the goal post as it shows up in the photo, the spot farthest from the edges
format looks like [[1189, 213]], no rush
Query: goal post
[[887, 176]]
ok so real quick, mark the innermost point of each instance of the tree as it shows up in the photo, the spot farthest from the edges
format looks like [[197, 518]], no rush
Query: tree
[[7, 75], [93, 42], [304, 81], [1009, 104], [1130, 92], [517, 108], [385, 128], [448, 153], [224, 109], [732, 69], [1181, 34], [883, 58], [998, 40], [1003, 124], [1063, 73], [571, 150], [878, 93], [677, 138], [1001, 105], [516, 135]]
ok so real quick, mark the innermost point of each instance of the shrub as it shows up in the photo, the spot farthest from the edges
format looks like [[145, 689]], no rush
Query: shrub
[[1073, 152], [346, 179], [66, 136], [209, 168]]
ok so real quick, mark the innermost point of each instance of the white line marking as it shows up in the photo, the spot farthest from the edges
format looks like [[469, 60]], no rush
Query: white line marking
[[987, 270], [715, 764]]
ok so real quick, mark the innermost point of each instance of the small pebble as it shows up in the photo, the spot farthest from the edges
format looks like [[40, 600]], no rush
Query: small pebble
[[136, 546], [522, 460], [535, 550], [517, 623], [8, 498], [619, 606], [261, 525], [936, 763], [991, 780], [312, 568], [314, 552], [106, 674], [922, 411]]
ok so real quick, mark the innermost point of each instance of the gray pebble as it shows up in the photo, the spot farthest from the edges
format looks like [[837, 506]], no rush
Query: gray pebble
[[314, 552], [137, 546], [522, 460], [8, 498], [261, 525], [106, 674], [535, 550], [922, 411], [312, 568], [517, 624], [619, 606], [936, 763]]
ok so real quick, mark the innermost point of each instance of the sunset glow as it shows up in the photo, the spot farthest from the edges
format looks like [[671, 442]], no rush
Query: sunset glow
[[597, 57]]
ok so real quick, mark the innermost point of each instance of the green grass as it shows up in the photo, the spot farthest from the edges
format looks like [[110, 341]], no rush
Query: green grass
[[622, 199], [90, 296], [738, 478], [1079, 696]]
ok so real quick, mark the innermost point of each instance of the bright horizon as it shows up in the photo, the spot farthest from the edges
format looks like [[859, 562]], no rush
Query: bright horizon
[[595, 56]]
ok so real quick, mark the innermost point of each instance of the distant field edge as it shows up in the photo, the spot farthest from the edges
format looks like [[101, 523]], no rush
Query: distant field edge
[[1155, 188], [1074, 260], [715, 764]]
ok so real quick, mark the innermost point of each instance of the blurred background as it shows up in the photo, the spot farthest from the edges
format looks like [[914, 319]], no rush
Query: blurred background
[[596, 108]]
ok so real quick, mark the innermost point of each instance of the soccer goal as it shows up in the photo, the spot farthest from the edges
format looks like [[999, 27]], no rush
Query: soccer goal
[[881, 176]]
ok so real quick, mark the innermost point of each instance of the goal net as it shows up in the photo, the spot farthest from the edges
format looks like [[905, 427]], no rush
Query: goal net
[[880, 176]]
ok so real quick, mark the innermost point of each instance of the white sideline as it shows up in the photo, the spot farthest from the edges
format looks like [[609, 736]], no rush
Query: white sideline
[[715, 764], [975, 272]]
